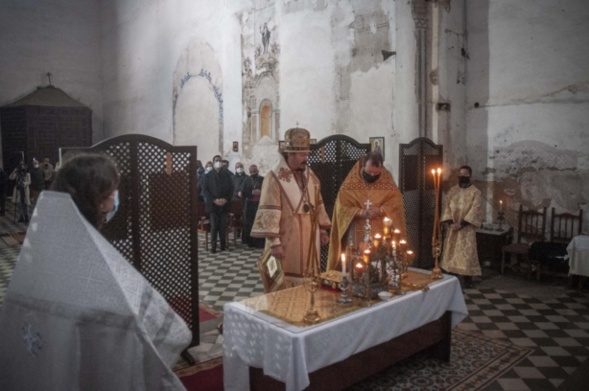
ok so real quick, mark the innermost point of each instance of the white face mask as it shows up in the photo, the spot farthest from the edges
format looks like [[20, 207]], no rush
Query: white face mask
[[208, 169], [115, 207], [217, 164], [239, 170]]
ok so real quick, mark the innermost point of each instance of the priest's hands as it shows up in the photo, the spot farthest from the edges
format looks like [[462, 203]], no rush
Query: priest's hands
[[324, 237], [277, 252], [370, 213]]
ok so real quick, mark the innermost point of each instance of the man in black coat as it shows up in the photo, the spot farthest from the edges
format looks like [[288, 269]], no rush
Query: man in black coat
[[217, 189]]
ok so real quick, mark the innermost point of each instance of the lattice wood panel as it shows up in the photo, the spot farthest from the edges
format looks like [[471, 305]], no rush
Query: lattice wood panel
[[155, 227], [416, 161], [331, 160]]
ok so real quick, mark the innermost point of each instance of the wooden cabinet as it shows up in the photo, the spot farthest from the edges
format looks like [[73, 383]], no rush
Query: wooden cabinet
[[489, 244]]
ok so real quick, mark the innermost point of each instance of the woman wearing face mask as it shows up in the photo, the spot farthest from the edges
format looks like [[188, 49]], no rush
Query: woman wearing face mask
[[78, 300], [92, 181], [463, 214]]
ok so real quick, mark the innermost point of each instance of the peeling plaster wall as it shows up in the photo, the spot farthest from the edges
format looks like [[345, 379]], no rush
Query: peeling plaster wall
[[528, 102]]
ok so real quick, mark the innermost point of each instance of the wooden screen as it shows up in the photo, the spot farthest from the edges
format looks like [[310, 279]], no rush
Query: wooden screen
[[155, 227], [416, 161], [331, 160]]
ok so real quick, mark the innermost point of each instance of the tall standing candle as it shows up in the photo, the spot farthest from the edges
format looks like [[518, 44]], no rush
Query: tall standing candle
[[344, 271]]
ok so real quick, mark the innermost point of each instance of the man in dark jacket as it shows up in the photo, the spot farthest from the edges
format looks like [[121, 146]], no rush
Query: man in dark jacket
[[217, 189]]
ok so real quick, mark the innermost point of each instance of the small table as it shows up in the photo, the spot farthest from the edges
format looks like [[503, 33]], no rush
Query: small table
[[578, 250], [293, 355], [489, 245]]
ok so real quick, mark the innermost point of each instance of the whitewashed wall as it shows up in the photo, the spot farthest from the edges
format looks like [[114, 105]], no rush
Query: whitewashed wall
[[528, 74]]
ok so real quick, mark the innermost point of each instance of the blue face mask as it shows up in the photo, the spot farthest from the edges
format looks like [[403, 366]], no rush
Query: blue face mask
[[115, 207]]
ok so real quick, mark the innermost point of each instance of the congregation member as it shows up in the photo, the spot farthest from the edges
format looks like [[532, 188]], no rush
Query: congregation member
[[462, 214], [251, 190], [291, 215], [368, 192], [49, 171], [225, 164], [217, 188], [77, 315], [37, 180], [238, 180], [21, 194]]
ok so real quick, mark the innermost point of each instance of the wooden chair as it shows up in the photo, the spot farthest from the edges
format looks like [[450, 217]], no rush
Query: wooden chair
[[531, 227], [551, 258], [235, 219], [204, 223]]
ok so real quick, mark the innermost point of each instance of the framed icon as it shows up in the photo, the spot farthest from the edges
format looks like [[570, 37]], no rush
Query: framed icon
[[235, 146], [377, 145]]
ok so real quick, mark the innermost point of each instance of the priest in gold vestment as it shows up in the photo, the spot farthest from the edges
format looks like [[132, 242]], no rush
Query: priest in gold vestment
[[368, 192], [463, 213], [291, 214]]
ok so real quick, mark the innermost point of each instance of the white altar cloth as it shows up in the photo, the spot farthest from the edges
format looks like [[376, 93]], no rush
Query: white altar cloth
[[289, 353], [578, 251]]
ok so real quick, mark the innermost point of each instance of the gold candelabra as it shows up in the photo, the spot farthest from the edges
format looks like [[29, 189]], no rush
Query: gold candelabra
[[437, 234]]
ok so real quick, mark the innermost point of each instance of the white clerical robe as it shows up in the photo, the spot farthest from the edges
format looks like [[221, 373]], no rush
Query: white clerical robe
[[78, 316]]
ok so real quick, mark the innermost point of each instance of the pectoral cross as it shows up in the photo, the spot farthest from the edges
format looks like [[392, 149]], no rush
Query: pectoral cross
[[368, 204]]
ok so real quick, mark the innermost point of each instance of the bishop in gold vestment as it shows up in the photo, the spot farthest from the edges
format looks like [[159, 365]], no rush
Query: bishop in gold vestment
[[384, 196], [291, 208]]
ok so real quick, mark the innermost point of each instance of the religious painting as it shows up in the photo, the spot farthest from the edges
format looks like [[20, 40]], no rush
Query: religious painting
[[377, 145]]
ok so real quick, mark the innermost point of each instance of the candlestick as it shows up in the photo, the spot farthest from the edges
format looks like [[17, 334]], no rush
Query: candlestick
[[436, 235], [387, 222], [344, 298]]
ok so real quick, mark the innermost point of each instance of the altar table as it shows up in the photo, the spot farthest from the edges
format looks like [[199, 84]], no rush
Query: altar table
[[578, 251], [289, 353]]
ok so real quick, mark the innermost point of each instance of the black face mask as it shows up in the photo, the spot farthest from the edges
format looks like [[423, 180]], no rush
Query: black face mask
[[369, 178], [464, 181]]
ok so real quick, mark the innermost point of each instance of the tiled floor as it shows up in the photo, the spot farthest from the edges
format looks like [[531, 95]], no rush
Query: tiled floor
[[548, 317]]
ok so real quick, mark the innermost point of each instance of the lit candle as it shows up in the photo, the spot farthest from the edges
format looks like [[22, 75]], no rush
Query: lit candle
[[409, 257], [402, 244], [385, 230], [344, 271], [501, 205], [387, 222], [376, 242], [366, 256]]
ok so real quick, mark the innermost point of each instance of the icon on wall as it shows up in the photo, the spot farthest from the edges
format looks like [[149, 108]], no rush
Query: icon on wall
[[235, 146], [377, 145]]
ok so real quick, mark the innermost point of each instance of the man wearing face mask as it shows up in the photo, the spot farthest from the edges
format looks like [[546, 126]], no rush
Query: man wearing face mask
[[217, 189], [369, 181], [462, 213], [238, 180], [251, 190]]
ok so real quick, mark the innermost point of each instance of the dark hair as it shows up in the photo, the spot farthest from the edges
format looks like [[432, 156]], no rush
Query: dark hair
[[89, 179], [374, 158], [466, 168]]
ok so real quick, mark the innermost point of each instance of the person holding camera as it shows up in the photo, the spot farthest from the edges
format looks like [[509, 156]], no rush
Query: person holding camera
[[21, 192]]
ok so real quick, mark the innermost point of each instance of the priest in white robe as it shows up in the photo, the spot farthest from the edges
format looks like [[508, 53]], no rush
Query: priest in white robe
[[78, 316]]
